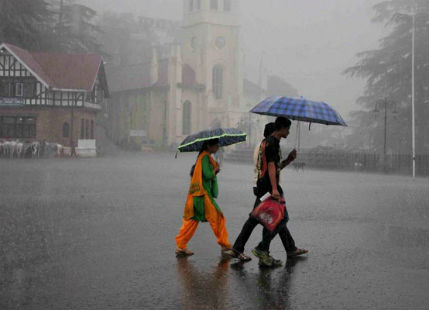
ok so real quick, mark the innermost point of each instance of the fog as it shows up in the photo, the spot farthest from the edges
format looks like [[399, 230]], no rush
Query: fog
[[309, 43], [121, 137]]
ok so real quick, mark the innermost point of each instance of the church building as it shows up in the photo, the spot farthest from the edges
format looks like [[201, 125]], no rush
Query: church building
[[187, 86]]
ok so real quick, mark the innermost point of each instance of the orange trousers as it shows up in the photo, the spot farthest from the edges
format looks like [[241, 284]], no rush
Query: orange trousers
[[189, 227]]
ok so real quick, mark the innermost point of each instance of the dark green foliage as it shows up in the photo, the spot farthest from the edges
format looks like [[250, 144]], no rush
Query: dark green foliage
[[388, 74], [40, 25], [27, 23]]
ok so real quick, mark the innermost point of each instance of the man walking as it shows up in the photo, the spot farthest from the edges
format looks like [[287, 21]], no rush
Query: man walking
[[269, 165]]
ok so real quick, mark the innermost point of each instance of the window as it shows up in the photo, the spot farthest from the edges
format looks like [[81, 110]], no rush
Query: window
[[87, 129], [198, 4], [214, 5], [227, 5], [66, 130], [29, 89], [29, 127], [186, 119], [82, 128], [191, 5], [9, 127], [17, 127], [19, 89], [92, 129], [7, 88], [217, 81]]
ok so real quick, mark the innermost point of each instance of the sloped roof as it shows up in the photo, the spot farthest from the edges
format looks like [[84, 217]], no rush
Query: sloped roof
[[60, 71]]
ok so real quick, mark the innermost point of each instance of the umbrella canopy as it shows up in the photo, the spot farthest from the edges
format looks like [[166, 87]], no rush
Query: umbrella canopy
[[226, 136], [299, 109]]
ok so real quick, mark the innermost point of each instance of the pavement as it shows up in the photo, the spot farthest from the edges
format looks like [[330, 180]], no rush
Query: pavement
[[99, 234]]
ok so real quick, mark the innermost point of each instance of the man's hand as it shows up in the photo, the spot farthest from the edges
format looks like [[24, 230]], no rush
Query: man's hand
[[290, 158], [292, 155], [276, 194]]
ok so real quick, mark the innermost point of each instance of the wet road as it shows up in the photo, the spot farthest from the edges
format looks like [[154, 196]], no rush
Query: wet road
[[99, 234]]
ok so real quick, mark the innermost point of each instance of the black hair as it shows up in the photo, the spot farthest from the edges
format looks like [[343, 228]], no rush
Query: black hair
[[208, 143], [282, 122], [204, 147], [269, 129]]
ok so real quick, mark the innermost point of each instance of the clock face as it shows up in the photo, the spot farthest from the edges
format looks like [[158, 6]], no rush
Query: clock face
[[220, 42]]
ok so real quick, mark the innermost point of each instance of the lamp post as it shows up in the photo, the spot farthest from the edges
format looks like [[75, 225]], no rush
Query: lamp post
[[413, 56], [384, 104], [413, 93]]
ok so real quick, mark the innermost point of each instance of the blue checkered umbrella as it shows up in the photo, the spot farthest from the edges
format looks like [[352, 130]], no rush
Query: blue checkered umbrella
[[299, 109], [226, 136]]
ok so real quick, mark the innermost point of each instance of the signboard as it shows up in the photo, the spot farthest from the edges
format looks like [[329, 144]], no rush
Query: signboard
[[86, 148], [86, 144], [11, 101], [137, 133]]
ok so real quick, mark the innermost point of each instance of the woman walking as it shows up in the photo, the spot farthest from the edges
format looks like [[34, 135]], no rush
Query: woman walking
[[201, 205]]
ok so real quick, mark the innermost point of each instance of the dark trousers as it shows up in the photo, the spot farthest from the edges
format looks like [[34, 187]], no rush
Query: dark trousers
[[267, 236]]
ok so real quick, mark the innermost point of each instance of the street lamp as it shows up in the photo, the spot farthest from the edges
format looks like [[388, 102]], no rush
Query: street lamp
[[384, 104], [413, 56]]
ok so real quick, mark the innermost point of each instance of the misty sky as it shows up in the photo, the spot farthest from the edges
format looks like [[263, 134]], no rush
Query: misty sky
[[307, 42]]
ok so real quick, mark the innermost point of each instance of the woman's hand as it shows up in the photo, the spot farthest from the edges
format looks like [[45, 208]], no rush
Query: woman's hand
[[216, 170]]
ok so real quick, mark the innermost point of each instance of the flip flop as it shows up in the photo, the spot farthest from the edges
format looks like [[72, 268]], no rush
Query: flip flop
[[183, 253], [229, 253], [297, 252]]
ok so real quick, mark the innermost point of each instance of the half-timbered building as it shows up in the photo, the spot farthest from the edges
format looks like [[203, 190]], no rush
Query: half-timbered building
[[49, 96]]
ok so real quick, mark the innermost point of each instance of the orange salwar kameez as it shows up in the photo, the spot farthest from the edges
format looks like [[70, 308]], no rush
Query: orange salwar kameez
[[202, 191]]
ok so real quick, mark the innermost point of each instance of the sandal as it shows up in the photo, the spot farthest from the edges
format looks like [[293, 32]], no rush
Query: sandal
[[183, 252], [228, 252], [243, 257], [297, 252]]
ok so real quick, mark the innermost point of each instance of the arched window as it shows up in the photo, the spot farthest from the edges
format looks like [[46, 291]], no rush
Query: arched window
[[66, 130], [214, 4], [191, 5], [227, 5], [217, 81], [198, 4], [186, 118]]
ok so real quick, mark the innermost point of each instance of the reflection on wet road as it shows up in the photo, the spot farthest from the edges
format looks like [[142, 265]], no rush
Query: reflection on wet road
[[99, 234], [210, 289]]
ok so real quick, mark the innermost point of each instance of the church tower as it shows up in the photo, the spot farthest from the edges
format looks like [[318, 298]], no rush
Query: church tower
[[211, 47]]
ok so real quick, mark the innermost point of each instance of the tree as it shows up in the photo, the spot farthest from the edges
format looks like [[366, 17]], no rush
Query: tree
[[27, 23], [46, 25], [76, 27], [388, 74]]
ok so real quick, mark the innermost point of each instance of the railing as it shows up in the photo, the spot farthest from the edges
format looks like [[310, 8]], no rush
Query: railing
[[393, 163], [370, 162]]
